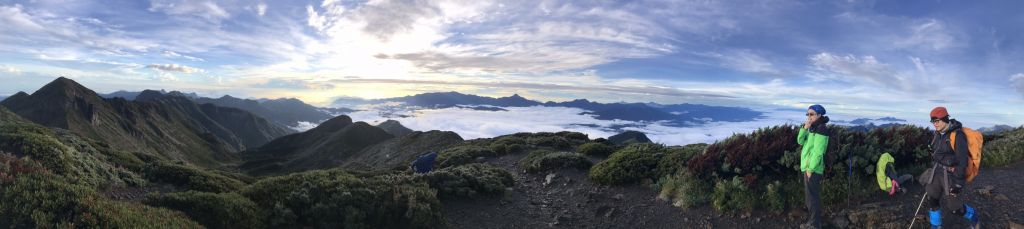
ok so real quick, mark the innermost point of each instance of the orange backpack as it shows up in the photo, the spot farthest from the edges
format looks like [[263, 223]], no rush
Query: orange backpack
[[974, 144]]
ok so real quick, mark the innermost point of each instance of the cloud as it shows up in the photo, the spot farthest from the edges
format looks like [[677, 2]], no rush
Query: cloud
[[1018, 82], [644, 90], [471, 124], [169, 53], [850, 68], [16, 17], [303, 126], [175, 68], [200, 8], [297, 84], [746, 60], [850, 65], [9, 69], [928, 34], [261, 9], [166, 77], [484, 36]]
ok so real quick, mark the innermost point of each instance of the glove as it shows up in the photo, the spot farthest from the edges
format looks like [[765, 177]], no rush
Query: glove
[[956, 189], [892, 190], [895, 186]]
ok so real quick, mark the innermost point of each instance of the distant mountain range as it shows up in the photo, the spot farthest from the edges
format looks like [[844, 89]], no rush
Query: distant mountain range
[[170, 126], [672, 114], [865, 121], [284, 111], [996, 129], [131, 95]]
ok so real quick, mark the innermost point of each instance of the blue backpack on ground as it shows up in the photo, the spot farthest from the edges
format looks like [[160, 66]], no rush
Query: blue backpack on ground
[[424, 163]]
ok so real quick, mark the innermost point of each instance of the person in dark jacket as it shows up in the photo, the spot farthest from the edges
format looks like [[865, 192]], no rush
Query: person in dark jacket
[[424, 163], [949, 176], [813, 138]]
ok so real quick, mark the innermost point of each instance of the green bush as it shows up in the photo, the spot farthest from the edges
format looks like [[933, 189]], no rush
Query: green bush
[[733, 195], [191, 178], [461, 155], [562, 140], [64, 153], [544, 160], [836, 190], [34, 197], [629, 164], [508, 145], [213, 210], [337, 199], [469, 180], [677, 157], [774, 197], [1006, 149], [684, 190], [595, 149]]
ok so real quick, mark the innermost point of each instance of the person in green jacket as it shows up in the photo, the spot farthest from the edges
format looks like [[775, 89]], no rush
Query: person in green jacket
[[813, 138]]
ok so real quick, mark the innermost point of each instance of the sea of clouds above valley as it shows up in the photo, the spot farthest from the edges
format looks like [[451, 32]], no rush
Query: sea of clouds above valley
[[474, 123]]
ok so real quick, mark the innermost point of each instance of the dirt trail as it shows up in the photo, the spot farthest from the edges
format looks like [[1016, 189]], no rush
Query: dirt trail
[[571, 201]]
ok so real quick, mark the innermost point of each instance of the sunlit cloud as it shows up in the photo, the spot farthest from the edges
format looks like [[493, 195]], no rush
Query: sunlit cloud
[[175, 68]]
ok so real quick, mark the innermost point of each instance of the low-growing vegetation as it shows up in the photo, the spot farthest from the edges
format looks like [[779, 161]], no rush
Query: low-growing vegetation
[[733, 195], [469, 151], [470, 180], [461, 155], [213, 210], [684, 190], [546, 160], [63, 154], [337, 199], [595, 149], [630, 164], [32, 196], [1004, 148], [191, 178]]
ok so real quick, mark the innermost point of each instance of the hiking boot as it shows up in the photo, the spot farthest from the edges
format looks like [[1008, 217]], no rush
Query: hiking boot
[[972, 217], [935, 218]]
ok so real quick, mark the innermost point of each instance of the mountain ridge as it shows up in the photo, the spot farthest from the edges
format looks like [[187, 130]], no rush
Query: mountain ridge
[[172, 127]]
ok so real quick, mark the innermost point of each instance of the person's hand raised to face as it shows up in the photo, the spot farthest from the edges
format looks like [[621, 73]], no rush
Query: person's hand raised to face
[[811, 118]]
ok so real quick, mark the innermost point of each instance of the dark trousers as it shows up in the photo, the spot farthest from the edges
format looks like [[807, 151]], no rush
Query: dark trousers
[[938, 192], [812, 197]]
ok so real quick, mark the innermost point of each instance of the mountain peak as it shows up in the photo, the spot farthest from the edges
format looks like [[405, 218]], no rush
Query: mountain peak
[[148, 95], [394, 128], [334, 124], [65, 87]]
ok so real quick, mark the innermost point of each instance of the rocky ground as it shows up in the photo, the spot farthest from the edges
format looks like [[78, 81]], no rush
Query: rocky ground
[[565, 199]]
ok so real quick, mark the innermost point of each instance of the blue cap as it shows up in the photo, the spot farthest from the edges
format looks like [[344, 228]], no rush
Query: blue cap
[[818, 109]]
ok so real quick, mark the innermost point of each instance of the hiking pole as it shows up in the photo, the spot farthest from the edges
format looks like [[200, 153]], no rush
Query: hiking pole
[[922, 197], [918, 210]]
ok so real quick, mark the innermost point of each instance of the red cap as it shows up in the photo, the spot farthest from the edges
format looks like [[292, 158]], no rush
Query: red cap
[[939, 112]]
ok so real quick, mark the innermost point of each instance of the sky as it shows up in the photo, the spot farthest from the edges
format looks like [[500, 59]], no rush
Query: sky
[[858, 58]]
